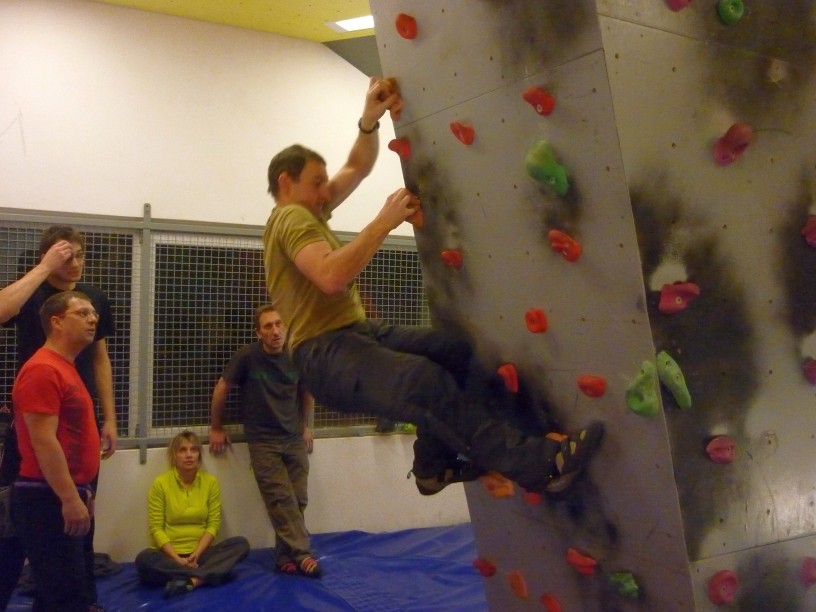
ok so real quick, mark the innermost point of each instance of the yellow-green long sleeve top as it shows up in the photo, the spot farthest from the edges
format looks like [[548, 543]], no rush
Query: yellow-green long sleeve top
[[181, 516]]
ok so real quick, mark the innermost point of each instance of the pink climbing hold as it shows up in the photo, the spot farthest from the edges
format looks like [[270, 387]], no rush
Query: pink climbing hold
[[540, 99], [810, 370], [722, 449], [809, 231], [733, 143], [677, 5], [722, 587], [807, 575], [675, 297]]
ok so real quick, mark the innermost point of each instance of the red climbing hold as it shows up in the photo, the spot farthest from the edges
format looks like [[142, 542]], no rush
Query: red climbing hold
[[518, 584], [733, 143], [540, 99], [532, 498], [722, 587], [592, 386], [807, 575], [809, 231], [463, 131], [484, 566], [550, 602], [675, 297], [536, 320], [581, 563], [406, 26], [452, 258], [810, 370], [509, 376], [564, 244], [678, 5], [722, 449], [401, 146]]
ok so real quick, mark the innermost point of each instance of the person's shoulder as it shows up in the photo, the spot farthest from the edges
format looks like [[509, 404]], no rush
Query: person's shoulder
[[207, 478]]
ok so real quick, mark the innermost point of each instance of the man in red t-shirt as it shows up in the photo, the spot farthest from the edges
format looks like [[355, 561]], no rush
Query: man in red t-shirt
[[52, 500]]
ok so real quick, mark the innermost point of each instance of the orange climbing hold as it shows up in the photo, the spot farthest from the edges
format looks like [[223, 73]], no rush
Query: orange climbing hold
[[518, 584], [463, 131], [510, 377], [452, 258], [540, 99], [675, 297], [550, 603], [563, 243], [722, 587], [402, 147], [485, 567], [536, 320], [497, 485], [581, 563], [406, 26], [592, 386]]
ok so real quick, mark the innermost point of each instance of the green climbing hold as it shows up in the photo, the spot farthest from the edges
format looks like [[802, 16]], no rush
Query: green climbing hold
[[641, 396], [625, 584], [730, 11], [541, 166], [672, 376]]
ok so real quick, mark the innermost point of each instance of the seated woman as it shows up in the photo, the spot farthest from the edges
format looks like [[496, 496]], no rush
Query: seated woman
[[184, 514]]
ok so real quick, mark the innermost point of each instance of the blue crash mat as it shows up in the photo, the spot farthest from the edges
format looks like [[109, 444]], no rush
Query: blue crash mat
[[413, 570]]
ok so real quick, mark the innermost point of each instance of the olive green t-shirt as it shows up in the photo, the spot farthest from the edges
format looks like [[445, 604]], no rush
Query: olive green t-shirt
[[306, 311]]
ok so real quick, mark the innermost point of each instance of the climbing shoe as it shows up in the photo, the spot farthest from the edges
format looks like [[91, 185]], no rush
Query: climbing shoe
[[575, 452], [431, 485]]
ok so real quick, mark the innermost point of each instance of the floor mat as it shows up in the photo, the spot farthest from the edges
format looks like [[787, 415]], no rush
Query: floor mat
[[415, 570]]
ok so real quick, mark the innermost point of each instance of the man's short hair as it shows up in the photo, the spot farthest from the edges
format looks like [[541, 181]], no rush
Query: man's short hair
[[55, 233], [175, 444], [260, 311], [291, 160], [56, 305]]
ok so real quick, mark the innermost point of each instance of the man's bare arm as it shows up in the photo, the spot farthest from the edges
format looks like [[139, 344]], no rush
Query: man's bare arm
[[332, 270], [17, 293]]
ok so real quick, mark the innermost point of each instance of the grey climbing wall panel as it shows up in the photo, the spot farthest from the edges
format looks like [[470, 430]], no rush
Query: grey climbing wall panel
[[641, 95]]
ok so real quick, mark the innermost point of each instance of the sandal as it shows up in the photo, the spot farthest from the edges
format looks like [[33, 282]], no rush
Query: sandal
[[308, 567], [574, 454], [287, 568]]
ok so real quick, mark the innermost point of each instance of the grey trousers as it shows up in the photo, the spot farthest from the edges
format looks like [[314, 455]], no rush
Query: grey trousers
[[214, 565], [281, 468]]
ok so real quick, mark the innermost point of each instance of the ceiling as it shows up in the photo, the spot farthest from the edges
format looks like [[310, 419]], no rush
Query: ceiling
[[296, 18]]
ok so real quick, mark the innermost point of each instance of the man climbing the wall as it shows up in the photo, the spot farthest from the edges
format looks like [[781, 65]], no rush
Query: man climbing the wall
[[353, 364]]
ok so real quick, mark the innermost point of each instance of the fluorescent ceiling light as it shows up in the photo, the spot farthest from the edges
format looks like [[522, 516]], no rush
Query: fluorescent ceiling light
[[352, 25]]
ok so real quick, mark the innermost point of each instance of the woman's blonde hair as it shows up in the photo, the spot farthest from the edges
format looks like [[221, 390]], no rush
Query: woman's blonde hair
[[175, 444]]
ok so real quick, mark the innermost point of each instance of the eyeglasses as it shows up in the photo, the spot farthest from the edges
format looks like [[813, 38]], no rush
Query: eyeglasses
[[82, 313]]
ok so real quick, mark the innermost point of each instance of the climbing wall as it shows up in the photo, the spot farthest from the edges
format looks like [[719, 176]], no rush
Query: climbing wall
[[617, 199]]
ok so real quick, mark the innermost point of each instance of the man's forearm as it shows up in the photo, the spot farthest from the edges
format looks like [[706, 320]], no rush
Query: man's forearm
[[16, 294]]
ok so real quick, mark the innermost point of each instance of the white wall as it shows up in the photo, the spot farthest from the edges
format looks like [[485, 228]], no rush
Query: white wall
[[354, 484], [105, 108]]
